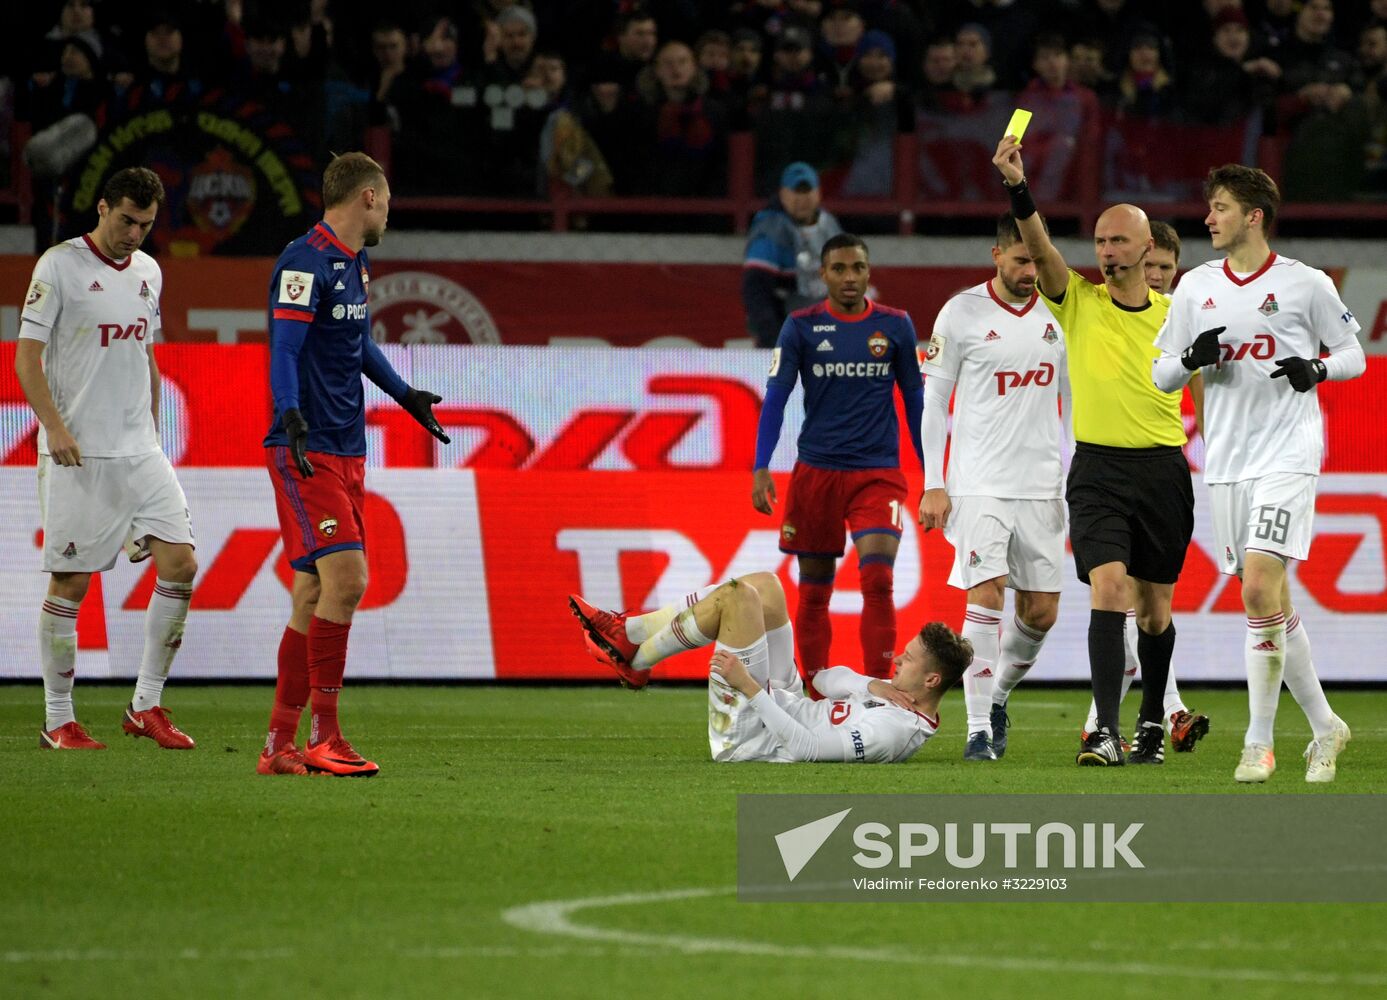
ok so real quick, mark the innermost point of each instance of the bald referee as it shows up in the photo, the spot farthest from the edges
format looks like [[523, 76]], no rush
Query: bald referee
[[1131, 505]]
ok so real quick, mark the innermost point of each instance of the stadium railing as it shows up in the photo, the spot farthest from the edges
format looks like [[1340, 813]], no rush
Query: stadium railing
[[906, 205]]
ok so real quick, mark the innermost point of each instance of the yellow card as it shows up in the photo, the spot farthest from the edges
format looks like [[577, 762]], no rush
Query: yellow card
[[1017, 126]]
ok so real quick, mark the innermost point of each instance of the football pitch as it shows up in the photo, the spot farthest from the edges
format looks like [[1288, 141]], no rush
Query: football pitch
[[578, 842]]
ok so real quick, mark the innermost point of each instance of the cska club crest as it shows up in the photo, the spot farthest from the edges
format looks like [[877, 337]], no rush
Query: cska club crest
[[877, 343], [1269, 305], [328, 526], [1051, 334], [788, 531]]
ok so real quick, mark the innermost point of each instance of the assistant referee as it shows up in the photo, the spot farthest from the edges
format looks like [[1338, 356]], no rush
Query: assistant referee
[[1131, 504]]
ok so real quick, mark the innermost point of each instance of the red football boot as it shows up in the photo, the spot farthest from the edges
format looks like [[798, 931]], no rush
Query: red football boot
[[68, 737], [604, 634], [1187, 729], [336, 757], [288, 759], [155, 724]]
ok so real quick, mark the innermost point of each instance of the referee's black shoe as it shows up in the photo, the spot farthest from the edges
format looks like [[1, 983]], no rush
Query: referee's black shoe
[[1101, 749], [1148, 745]]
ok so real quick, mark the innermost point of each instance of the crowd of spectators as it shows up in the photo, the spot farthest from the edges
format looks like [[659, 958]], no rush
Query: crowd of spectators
[[506, 98]]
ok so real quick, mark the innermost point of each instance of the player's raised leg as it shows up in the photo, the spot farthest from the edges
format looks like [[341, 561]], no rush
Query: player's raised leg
[[282, 755], [342, 581], [58, 659], [165, 619]]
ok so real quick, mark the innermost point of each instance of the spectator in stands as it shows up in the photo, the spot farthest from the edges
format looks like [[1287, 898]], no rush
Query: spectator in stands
[[793, 79], [938, 94], [974, 76], [516, 32], [637, 37], [568, 155], [611, 120], [683, 128], [79, 86], [1088, 66], [713, 51], [76, 19], [1011, 27], [164, 69], [747, 92], [442, 65], [1372, 51], [391, 82], [1065, 112], [883, 108], [840, 34], [308, 54], [1274, 26], [1113, 23], [1145, 89], [780, 272], [1327, 123], [1315, 72], [1225, 85]]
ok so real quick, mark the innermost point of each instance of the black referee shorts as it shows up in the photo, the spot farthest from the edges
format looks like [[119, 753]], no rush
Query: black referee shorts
[[1130, 505]]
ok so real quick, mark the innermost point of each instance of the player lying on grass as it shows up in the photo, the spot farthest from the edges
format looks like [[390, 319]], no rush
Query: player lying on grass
[[757, 708]]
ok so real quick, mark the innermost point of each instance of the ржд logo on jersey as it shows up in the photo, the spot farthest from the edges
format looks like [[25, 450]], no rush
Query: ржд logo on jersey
[[1261, 347], [1043, 375], [118, 331]]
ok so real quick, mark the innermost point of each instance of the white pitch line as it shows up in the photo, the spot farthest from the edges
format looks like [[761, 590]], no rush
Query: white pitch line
[[553, 917], [276, 954]]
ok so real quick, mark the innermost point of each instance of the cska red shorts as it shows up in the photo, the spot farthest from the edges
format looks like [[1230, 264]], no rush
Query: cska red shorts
[[323, 514], [820, 501]]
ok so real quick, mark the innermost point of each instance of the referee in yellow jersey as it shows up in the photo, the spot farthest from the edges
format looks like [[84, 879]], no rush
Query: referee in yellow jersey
[[1131, 505]]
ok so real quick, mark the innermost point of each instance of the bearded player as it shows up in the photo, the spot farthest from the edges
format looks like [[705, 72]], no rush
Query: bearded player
[[320, 346], [997, 350], [1247, 323]]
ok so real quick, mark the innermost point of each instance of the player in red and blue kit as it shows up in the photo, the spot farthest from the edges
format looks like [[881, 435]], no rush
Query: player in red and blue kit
[[851, 354], [320, 346]]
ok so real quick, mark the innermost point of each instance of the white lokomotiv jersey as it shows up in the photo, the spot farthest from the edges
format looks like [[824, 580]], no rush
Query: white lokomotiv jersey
[[1255, 425], [852, 730], [1008, 364], [97, 318]]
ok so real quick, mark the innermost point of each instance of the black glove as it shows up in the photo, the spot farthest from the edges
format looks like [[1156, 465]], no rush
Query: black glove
[[296, 430], [1204, 350], [419, 405], [1303, 373]]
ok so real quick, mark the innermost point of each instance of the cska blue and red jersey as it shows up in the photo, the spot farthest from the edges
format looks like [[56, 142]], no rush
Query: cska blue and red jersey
[[320, 343], [850, 366]]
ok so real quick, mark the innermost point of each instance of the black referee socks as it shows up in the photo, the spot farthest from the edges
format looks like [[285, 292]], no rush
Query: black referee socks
[[1153, 653], [1107, 658]]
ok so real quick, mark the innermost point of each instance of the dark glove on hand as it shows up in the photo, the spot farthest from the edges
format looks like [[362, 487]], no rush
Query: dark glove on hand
[[1204, 350], [419, 405], [1303, 373], [296, 430]]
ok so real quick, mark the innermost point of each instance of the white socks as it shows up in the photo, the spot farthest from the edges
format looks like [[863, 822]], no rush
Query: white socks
[[642, 627], [1304, 684], [1020, 649], [784, 675], [757, 658], [1264, 653], [58, 658], [163, 635], [980, 627], [681, 632]]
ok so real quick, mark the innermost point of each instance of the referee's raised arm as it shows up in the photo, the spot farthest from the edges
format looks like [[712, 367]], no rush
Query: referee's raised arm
[[1052, 272]]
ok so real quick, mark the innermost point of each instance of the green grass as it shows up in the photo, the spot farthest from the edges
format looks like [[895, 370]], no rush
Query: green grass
[[186, 875]]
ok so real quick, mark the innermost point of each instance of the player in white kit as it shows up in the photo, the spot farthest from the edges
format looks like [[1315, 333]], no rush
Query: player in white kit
[[757, 709], [1253, 324], [999, 351], [86, 366]]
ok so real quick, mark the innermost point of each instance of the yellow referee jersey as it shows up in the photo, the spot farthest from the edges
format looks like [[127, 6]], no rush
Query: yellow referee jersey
[[1110, 349]]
